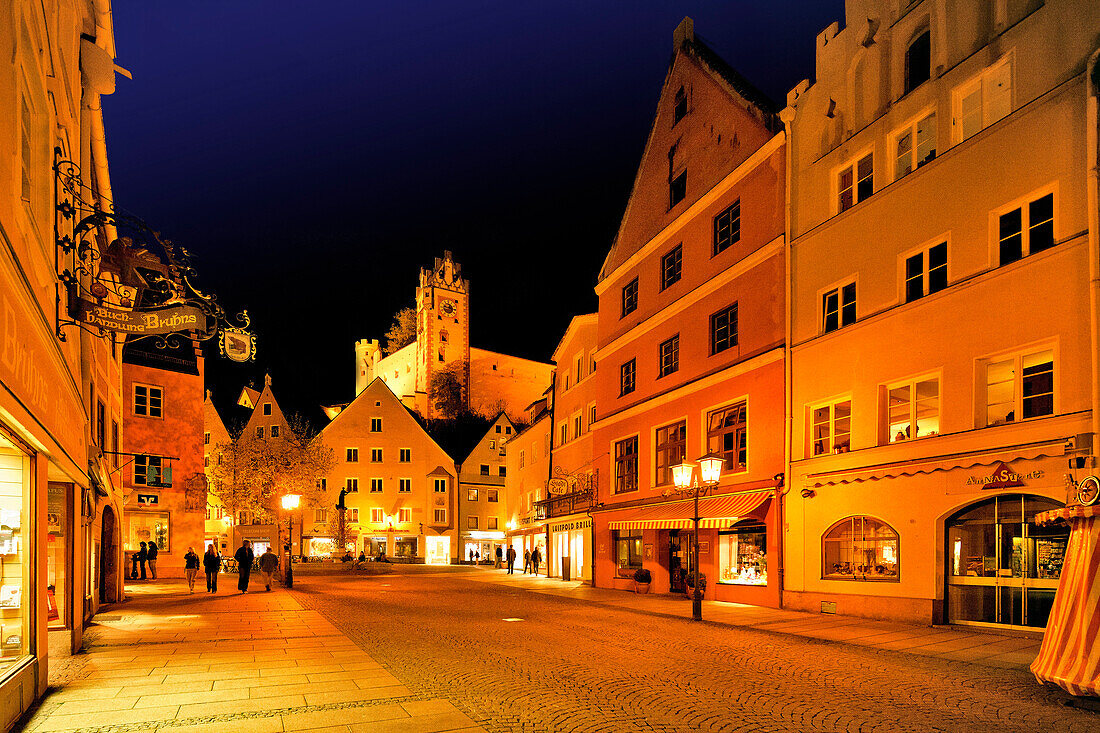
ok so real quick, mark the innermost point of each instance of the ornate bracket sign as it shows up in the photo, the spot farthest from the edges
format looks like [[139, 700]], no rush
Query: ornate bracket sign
[[141, 288], [238, 344], [568, 483]]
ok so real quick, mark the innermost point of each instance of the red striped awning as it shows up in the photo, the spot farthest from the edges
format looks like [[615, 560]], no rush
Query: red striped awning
[[1070, 656], [715, 512]]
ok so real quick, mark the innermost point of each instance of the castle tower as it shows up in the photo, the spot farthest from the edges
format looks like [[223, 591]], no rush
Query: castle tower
[[442, 327]]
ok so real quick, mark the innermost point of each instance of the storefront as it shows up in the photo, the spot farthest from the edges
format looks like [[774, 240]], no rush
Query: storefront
[[437, 550], [482, 544], [932, 542], [737, 546], [317, 548], [571, 542], [16, 584]]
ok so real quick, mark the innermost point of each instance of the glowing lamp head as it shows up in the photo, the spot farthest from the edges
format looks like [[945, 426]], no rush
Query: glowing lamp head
[[681, 474], [290, 501], [710, 466]]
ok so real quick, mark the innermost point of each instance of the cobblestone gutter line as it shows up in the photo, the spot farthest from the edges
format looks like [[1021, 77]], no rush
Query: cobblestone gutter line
[[246, 715]]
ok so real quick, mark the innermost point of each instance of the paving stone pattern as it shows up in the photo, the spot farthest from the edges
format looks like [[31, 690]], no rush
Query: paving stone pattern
[[569, 665]]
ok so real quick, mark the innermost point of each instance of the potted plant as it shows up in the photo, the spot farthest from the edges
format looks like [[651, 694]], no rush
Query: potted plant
[[702, 583], [642, 579]]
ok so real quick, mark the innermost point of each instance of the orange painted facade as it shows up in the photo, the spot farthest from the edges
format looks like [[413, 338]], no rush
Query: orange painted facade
[[690, 328], [176, 511]]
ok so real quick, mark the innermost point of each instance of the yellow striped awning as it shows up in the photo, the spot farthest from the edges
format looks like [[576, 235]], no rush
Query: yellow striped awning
[[715, 512]]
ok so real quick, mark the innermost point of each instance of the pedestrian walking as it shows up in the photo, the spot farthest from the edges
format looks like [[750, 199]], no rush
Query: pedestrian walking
[[244, 557], [471, 556], [190, 568], [153, 551], [143, 557], [511, 555], [500, 557], [526, 561], [268, 565], [477, 557], [536, 560], [212, 563]]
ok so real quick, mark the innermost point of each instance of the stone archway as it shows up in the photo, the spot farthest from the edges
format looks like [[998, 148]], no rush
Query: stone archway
[[108, 557]]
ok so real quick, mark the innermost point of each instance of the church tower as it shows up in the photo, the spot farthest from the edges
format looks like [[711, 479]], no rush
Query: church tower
[[442, 328]]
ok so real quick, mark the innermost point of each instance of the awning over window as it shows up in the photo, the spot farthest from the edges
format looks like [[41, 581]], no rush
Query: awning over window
[[715, 512]]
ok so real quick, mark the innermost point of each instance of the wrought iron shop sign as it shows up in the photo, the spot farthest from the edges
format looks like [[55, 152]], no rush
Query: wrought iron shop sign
[[141, 323]]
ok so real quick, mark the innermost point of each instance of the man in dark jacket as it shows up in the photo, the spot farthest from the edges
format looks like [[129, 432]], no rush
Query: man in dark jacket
[[153, 560], [142, 557], [212, 563], [511, 555], [500, 557], [244, 558]]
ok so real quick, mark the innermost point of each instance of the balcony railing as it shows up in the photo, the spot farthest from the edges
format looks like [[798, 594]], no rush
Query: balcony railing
[[564, 505]]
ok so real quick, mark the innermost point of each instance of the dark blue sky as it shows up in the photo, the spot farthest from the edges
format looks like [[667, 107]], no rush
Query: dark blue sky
[[313, 156]]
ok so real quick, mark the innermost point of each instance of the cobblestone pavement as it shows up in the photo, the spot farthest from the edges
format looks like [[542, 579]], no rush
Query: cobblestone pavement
[[513, 660]]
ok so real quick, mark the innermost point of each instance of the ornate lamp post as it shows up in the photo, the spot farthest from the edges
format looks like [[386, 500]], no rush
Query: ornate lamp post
[[290, 503], [685, 480]]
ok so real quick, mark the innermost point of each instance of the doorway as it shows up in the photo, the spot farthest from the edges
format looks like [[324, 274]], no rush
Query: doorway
[[1002, 568], [681, 561], [108, 551]]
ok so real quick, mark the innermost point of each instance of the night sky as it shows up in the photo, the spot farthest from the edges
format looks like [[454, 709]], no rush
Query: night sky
[[313, 156]]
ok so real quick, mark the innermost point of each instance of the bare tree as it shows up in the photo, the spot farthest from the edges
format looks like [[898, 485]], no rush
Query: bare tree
[[402, 332]]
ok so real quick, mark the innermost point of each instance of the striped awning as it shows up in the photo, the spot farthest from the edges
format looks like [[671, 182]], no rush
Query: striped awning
[[715, 512], [1070, 656]]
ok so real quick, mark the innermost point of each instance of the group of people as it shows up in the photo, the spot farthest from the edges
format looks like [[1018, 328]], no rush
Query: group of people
[[212, 563], [146, 555], [531, 559]]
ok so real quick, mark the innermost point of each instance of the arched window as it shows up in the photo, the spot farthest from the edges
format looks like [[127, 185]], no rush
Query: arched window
[[860, 548], [918, 61]]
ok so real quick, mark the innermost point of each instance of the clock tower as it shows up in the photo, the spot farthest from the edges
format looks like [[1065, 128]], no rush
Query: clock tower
[[442, 329]]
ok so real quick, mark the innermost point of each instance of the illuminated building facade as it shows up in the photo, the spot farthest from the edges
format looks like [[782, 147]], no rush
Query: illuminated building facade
[[481, 484], [690, 348], [492, 382], [943, 227]]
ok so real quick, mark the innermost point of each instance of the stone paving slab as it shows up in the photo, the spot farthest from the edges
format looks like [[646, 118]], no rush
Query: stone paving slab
[[959, 644], [167, 660]]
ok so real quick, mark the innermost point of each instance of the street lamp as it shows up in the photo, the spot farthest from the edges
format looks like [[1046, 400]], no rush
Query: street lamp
[[683, 477], [290, 503]]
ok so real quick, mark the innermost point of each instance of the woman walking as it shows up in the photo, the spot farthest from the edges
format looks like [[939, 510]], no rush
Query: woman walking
[[190, 568], [212, 562]]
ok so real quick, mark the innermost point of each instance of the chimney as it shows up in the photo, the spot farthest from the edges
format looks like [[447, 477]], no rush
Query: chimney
[[683, 33]]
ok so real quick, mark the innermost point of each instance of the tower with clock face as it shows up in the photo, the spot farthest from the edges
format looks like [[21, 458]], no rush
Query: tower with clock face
[[442, 329]]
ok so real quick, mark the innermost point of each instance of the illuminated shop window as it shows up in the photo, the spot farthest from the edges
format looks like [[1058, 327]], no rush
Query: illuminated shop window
[[860, 548], [16, 570], [743, 556], [147, 527], [628, 548]]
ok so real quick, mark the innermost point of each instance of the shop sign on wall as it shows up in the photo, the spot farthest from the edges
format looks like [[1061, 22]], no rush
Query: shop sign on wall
[[148, 499], [1003, 477]]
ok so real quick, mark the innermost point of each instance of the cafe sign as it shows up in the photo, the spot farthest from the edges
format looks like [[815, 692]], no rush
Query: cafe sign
[[141, 323], [1003, 477]]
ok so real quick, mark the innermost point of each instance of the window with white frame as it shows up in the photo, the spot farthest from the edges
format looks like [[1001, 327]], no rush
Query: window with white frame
[[522, 458], [578, 367], [148, 400], [351, 485], [671, 444], [376, 485], [591, 415], [376, 516], [1026, 229], [563, 433], [860, 548], [627, 377], [471, 522], [672, 263], [404, 485], [727, 435], [376, 455], [838, 307], [982, 100], [1019, 387], [578, 425], [914, 145], [376, 424], [492, 495], [471, 494], [913, 409], [320, 516], [630, 298], [727, 227], [926, 272], [440, 516], [267, 408], [274, 431], [441, 486], [404, 455], [352, 455], [352, 515], [668, 356], [491, 523], [404, 515], [855, 182], [148, 471], [831, 428]]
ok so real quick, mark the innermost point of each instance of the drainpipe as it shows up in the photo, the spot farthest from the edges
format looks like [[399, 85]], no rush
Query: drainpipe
[[458, 513], [781, 489], [1092, 178], [550, 459]]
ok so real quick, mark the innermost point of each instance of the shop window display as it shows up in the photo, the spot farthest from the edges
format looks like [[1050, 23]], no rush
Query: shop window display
[[628, 548], [861, 548], [14, 569], [148, 526], [743, 556]]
